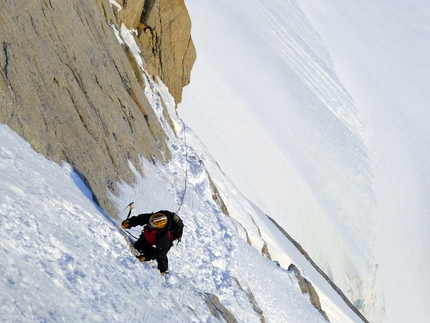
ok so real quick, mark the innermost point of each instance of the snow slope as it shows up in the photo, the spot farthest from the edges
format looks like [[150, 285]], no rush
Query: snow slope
[[382, 54], [63, 259], [317, 110], [296, 133], [267, 101]]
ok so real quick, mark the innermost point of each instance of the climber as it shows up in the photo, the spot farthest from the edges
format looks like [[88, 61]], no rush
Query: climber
[[159, 232]]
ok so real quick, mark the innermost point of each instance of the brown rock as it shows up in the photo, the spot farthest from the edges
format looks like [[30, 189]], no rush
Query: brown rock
[[164, 38], [131, 13], [165, 41], [68, 88], [307, 288]]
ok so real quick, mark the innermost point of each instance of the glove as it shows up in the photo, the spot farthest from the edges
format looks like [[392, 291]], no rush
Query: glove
[[125, 224], [141, 258]]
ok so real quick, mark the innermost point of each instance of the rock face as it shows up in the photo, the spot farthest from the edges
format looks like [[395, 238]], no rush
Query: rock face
[[307, 288], [163, 28], [68, 87]]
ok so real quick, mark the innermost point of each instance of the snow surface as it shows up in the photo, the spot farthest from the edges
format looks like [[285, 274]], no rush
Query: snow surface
[[382, 54], [318, 112], [63, 259]]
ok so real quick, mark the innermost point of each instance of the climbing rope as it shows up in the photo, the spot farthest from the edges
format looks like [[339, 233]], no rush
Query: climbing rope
[[186, 167], [130, 206]]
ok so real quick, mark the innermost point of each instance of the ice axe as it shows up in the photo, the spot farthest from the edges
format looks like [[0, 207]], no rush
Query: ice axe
[[130, 205]]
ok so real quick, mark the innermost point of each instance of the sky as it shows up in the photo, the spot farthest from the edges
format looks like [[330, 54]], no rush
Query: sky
[[64, 259], [317, 112]]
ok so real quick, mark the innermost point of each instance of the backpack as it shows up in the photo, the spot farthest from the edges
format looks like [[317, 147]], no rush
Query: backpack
[[176, 226]]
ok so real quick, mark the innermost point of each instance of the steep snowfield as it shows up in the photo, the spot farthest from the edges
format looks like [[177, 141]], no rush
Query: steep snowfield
[[63, 259], [318, 112], [381, 51], [318, 117], [267, 101]]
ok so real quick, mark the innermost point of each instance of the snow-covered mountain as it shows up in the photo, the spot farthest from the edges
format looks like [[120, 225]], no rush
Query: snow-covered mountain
[[65, 260], [318, 113], [315, 113]]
